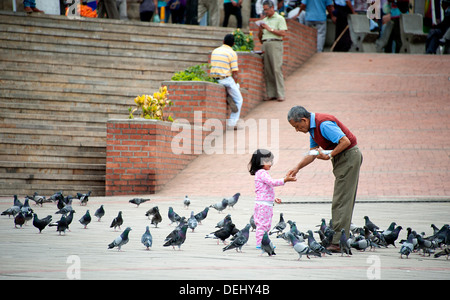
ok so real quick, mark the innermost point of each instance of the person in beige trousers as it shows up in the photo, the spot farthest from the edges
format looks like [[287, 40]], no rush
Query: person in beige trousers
[[212, 7], [328, 133]]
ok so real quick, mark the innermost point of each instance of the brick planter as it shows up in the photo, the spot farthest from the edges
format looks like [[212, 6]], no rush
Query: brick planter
[[139, 154]]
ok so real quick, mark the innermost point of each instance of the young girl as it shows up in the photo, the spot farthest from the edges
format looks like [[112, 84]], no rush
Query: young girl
[[260, 163]]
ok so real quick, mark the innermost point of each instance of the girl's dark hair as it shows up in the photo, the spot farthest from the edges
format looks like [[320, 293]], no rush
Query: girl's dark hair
[[259, 158]]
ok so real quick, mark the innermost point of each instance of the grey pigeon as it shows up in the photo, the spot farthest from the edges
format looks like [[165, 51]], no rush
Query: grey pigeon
[[281, 225], [39, 200], [252, 222], [446, 251], [343, 244], [66, 209], [192, 222], [84, 198], [99, 213], [17, 202], [220, 206], [202, 215], [300, 247], [177, 237], [156, 216], [85, 219], [121, 240], [117, 221], [19, 219], [138, 201], [69, 219], [147, 239], [239, 240], [173, 216], [363, 244], [425, 245], [315, 246], [224, 221], [41, 223], [186, 202], [266, 245], [61, 225], [407, 246], [392, 236], [12, 211], [233, 200], [371, 226]]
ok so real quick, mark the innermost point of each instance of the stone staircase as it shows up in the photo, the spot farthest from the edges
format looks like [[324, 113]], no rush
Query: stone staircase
[[62, 79]]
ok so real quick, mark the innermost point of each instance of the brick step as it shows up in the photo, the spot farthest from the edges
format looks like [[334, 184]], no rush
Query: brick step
[[54, 154], [49, 138], [137, 28], [62, 68], [19, 188], [110, 41]]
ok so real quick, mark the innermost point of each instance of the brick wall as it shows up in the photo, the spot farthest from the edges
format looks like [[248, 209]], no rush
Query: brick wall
[[139, 155]]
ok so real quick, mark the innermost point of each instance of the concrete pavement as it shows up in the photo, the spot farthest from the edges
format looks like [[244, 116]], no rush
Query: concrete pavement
[[396, 105]]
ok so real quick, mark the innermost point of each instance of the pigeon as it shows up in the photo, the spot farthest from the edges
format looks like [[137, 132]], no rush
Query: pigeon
[[147, 239], [66, 209], [202, 215], [293, 229], [41, 223], [233, 200], [138, 201], [371, 226], [446, 251], [84, 198], [390, 229], [278, 229], [220, 205], [17, 202], [173, 216], [186, 202], [407, 246], [426, 245], [177, 237], [19, 219], [392, 236], [57, 196], [222, 233], [225, 220], [121, 240], [343, 245], [300, 247], [252, 222], [117, 221], [157, 218], [39, 200], [239, 240], [266, 245], [12, 211], [192, 222], [315, 246], [69, 219], [61, 225], [363, 244], [85, 219], [99, 213]]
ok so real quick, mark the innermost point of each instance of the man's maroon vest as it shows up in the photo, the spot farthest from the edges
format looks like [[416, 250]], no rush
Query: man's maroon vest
[[323, 142]]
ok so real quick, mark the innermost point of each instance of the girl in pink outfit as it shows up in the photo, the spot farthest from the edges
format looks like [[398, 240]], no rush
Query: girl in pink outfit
[[259, 165]]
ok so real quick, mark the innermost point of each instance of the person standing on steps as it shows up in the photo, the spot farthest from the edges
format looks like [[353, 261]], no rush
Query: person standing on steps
[[272, 29]]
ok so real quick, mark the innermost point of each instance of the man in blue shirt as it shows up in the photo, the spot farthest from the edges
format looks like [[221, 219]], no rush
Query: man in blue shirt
[[316, 17], [328, 133]]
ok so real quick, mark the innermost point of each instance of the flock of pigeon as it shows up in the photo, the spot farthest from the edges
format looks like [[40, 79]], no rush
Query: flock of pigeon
[[369, 237]]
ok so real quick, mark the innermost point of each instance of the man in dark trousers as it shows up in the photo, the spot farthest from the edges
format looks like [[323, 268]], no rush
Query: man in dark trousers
[[328, 133]]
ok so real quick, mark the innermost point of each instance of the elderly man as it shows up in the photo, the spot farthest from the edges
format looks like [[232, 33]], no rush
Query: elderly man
[[224, 67], [328, 133], [271, 32]]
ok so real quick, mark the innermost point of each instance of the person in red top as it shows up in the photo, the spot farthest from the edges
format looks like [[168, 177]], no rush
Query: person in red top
[[328, 133]]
